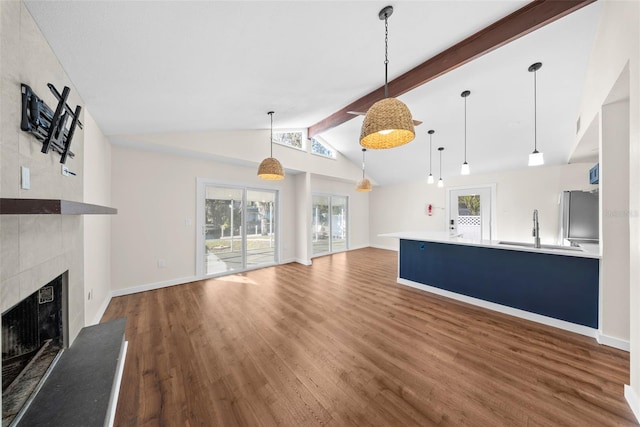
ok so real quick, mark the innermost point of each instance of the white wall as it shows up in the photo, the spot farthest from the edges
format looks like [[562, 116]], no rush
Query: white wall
[[97, 228], [617, 45], [402, 207], [155, 194], [242, 147], [614, 242], [303, 217], [153, 206], [35, 249]]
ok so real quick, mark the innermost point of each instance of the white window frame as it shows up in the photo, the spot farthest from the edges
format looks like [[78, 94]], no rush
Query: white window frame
[[305, 146], [326, 144]]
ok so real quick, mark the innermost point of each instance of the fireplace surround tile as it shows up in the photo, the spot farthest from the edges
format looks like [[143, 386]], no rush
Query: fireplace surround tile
[[9, 244], [40, 239], [9, 293]]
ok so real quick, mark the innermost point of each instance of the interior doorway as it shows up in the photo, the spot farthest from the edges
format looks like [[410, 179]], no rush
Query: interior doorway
[[471, 212]]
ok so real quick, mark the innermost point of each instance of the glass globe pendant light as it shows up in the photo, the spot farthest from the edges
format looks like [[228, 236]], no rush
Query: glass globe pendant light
[[430, 177], [464, 170], [440, 181], [536, 158]]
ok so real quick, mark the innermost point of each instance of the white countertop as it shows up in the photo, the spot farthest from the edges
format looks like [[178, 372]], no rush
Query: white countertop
[[586, 251]]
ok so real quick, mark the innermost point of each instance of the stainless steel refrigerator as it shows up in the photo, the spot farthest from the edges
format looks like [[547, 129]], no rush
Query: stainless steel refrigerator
[[579, 218]]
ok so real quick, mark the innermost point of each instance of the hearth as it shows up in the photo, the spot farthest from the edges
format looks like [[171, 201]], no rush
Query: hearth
[[33, 333]]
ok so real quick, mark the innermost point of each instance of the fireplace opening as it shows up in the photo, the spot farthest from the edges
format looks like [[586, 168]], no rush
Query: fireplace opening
[[33, 333]]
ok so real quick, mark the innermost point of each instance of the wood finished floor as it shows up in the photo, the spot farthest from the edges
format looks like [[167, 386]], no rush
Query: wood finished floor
[[340, 343]]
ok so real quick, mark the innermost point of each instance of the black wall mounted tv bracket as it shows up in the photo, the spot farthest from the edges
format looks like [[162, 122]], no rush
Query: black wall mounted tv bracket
[[48, 126]]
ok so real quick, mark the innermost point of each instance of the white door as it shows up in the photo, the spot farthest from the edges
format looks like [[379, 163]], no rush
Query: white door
[[470, 212]]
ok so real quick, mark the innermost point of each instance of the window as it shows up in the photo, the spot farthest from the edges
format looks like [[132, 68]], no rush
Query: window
[[321, 148], [294, 139]]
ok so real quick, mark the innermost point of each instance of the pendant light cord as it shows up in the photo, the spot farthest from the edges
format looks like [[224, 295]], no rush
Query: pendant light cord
[[363, 150], [441, 164], [430, 151], [271, 115], [386, 54], [465, 129], [535, 111]]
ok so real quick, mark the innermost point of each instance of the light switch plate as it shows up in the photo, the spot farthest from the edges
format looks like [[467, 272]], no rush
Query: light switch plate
[[25, 181]]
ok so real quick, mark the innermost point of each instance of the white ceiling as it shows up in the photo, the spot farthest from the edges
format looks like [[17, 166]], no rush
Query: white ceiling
[[161, 66]]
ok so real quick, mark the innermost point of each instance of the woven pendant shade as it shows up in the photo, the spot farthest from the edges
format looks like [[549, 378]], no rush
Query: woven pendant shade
[[388, 124], [270, 168], [363, 186]]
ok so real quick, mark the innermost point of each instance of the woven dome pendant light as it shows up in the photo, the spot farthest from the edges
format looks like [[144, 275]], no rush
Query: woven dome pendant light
[[536, 158], [430, 177], [364, 184], [388, 122], [464, 170], [270, 168]]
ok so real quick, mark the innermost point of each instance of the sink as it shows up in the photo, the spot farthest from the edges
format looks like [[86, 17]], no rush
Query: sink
[[553, 247]]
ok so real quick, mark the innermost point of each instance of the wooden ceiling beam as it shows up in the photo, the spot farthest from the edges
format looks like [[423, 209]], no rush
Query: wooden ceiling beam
[[519, 23]]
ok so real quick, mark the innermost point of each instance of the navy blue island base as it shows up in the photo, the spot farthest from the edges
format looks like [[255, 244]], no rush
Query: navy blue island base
[[558, 286]]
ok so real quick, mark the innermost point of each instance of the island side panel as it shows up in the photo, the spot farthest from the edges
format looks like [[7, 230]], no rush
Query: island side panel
[[557, 286]]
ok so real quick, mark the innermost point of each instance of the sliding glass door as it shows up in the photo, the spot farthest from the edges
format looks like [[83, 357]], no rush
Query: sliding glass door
[[329, 224], [238, 229], [261, 227]]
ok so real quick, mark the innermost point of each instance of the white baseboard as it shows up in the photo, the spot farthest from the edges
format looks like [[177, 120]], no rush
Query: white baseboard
[[613, 342], [115, 392], [152, 286], [388, 248], [303, 262], [355, 248], [549, 321], [102, 309], [632, 400]]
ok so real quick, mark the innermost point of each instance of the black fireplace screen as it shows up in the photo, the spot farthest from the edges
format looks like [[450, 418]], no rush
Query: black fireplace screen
[[28, 326]]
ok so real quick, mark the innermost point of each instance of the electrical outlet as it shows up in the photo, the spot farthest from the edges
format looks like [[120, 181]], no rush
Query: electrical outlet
[[161, 263]]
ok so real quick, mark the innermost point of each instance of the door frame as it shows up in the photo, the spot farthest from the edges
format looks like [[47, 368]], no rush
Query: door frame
[[493, 227], [348, 220], [201, 185]]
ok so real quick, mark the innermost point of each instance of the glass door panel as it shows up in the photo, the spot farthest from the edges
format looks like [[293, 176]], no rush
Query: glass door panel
[[470, 213], [320, 225], [338, 223], [261, 227], [224, 242]]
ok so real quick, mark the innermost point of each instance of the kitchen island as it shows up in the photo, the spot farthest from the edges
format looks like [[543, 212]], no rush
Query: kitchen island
[[553, 285]]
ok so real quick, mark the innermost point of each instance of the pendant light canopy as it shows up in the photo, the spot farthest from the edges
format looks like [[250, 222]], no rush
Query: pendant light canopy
[[465, 166], [270, 168], [364, 184], [440, 181], [536, 158], [430, 177], [388, 122]]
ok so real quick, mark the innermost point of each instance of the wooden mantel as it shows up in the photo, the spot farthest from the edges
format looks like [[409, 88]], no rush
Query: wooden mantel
[[51, 207]]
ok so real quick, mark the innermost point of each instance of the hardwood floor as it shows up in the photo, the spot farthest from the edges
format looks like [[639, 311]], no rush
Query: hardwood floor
[[340, 343]]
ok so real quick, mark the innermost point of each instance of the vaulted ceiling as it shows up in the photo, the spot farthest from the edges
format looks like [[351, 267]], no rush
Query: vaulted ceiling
[[159, 66]]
